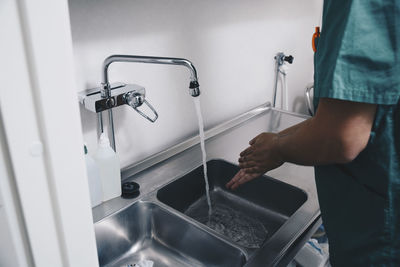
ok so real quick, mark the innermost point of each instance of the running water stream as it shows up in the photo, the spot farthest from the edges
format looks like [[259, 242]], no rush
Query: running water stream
[[234, 224], [203, 150]]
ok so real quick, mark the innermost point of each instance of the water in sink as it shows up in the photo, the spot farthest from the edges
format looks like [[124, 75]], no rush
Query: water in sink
[[203, 150], [242, 229], [265, 199]]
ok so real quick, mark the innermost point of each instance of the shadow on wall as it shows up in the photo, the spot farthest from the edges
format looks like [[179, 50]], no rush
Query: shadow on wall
[[99, 19]]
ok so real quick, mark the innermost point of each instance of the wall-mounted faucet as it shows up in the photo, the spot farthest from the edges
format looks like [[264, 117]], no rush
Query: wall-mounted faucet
[[109, 96], [280, 59]]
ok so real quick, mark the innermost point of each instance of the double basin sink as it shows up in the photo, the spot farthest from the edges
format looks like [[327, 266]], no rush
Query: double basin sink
[[161, 226]]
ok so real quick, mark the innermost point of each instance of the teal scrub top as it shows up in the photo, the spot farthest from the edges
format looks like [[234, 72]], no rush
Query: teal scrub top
[[358, 59]]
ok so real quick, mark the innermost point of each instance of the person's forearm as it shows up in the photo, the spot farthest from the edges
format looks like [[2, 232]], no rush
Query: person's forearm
[[337, 134], [303, 144], [292, 129]]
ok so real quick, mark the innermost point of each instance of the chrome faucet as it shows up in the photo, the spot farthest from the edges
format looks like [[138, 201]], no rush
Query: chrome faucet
[[193, 86], [280, 59], [109, 96]]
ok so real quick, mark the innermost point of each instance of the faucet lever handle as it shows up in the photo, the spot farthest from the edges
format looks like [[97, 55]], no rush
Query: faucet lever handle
[[135, 99], [155, 117]]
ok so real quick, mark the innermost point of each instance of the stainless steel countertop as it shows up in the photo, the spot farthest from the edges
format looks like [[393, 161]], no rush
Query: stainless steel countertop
[[224, 141]]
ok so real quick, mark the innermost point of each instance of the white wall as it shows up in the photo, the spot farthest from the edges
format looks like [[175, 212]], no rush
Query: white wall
[[231, 42]]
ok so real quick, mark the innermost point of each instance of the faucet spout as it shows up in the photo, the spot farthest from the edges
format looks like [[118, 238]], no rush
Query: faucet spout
[[194, 84], [105, 90]]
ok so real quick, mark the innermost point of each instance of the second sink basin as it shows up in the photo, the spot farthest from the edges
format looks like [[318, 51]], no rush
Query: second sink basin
[[146, 231], [265, 200]]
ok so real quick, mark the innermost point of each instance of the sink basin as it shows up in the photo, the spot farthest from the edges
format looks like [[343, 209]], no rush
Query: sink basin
[[266, 200], [146, 231], [168, 223]]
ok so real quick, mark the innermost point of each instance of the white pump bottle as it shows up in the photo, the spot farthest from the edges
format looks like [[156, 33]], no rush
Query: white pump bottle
[[109, 166], [93, 173]]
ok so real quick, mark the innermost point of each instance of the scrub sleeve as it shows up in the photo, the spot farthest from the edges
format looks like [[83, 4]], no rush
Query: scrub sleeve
[[358, 59]]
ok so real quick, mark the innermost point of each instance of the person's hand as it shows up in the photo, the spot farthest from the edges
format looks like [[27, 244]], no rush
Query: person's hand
[[262, 155], [240, 178]]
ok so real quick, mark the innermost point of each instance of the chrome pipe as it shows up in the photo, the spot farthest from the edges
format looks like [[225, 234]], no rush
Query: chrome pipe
[[111, 126], [100, 128], [149, 60], [106, 87], [280, 58], [308, 98], [276, 83]]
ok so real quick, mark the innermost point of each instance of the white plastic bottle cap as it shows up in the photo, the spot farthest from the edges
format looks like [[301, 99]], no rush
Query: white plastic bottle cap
[[103, 141]]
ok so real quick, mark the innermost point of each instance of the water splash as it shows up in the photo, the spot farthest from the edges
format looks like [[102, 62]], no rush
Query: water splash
[[203, 150], [242, 229]]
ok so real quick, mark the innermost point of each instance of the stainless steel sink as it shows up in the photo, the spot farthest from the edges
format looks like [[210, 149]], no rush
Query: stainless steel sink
[[265, 199], [145, 230], [158, 225]]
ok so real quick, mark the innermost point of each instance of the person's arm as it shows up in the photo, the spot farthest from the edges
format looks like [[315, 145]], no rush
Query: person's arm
[[337, 134]]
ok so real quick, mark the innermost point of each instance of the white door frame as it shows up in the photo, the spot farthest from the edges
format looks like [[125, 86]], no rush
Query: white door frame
[[44, 146]]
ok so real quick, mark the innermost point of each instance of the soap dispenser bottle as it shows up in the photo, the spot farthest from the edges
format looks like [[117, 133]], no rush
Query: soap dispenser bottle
[[110, 174], [93, 173]]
